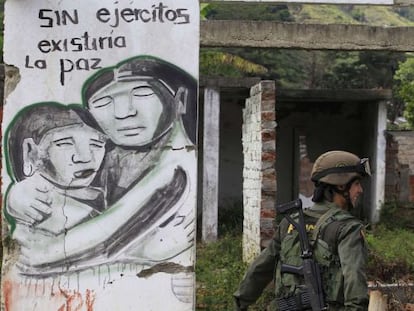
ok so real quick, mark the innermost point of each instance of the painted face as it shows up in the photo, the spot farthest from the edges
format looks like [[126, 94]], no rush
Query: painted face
[[355, 192], [128, 112], [71, 155]]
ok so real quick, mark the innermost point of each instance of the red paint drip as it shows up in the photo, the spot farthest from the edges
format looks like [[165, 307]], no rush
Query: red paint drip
[[75, 302], [90, 300], [7, 294]]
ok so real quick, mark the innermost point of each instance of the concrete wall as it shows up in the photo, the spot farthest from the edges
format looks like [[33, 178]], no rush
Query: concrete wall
[[231, 154], [99, 174], [325, 126], [399, 178]]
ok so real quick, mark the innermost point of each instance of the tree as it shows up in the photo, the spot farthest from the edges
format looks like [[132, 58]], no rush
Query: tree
[[215, 62], [405, 88]]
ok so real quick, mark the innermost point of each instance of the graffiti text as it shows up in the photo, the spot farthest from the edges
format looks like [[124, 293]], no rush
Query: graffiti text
[[82, 43], [58, 18], [67, 65], [158, 13]]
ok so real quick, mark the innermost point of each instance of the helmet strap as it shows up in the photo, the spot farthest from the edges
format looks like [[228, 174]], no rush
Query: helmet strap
[[345, 193]]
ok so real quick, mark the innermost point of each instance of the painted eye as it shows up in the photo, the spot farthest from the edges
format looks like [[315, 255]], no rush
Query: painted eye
[[142, 91], [101, 102], [97, 144], [63, 143]]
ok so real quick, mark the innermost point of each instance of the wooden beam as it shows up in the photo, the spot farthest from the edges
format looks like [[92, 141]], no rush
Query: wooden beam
[[269, 34]]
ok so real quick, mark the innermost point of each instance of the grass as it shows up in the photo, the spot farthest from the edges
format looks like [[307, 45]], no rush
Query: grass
[[220, 268], [391, 244], [391, 254]]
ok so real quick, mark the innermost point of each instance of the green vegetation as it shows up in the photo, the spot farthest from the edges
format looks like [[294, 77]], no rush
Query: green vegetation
[[248, 11], [219, 270], [392, 244], [383, 16], [391, 254], [217, 63], [323, 14], [405, 87]]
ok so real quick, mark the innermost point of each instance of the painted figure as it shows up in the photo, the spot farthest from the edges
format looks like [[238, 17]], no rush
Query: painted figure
[[140, 104], [148, 174], [51, 145], [147, 109]]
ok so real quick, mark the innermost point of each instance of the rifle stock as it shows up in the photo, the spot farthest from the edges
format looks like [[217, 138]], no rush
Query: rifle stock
[[310, 268]]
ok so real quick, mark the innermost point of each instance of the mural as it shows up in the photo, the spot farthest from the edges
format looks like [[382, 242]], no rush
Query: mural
[[102, 190], [116, 172]]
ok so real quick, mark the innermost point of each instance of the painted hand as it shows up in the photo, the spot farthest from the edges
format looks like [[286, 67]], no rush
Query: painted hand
[[29, 201]]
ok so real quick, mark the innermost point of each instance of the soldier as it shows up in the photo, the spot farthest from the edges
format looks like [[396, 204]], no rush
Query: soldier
[[337, 238]]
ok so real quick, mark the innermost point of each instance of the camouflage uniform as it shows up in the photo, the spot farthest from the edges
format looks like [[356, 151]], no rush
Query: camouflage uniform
[[339, 248]]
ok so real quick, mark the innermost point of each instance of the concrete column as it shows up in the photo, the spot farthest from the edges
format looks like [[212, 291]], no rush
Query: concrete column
[[378, 182], [210, 163], [127, 247]]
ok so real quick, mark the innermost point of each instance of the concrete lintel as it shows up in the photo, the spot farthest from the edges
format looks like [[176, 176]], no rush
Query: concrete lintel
[[228, 82], [269, 34], [332, 95]]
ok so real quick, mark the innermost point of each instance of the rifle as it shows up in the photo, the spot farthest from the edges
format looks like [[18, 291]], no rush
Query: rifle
[[309, 269]]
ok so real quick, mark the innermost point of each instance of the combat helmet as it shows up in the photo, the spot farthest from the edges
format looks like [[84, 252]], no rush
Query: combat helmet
[[339, 168], [176, 88]]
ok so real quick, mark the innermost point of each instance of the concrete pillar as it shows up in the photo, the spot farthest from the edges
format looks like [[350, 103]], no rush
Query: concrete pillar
[[115, 227], [211, 163], [378, 183]]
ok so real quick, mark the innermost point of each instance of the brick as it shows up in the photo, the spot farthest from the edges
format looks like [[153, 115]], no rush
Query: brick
[[269, 145], [269, 156], [268, 135], [267, 213], [268, 116], [268, 105], [269, 125]]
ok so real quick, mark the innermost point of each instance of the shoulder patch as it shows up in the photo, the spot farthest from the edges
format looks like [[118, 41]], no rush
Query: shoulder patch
[[309, 228]]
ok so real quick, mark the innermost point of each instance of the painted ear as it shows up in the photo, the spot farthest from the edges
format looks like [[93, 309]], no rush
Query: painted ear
[[181, 100], [30, 156]]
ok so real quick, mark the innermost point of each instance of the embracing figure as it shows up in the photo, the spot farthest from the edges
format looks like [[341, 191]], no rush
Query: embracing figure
[[129, 192]]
